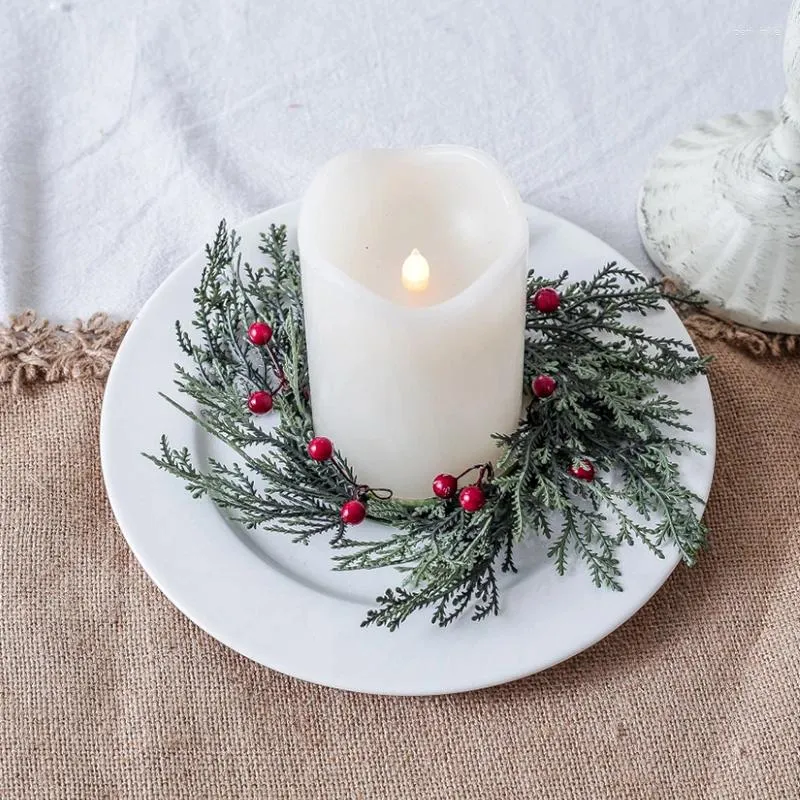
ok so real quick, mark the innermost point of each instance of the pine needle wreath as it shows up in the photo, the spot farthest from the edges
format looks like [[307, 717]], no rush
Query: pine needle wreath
[[552, 477]]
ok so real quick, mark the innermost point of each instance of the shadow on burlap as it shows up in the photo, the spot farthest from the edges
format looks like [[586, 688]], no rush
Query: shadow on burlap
[[107, 691]]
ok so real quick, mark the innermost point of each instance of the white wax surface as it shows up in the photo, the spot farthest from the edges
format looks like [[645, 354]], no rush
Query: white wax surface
[[409, 384]]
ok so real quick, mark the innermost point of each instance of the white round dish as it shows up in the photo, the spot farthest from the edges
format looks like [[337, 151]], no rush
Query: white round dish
[[280, 604]]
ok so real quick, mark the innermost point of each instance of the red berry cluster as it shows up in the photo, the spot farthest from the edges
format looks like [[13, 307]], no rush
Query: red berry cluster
[[354, 511], [471, 498], [546, 301], [261, 400]]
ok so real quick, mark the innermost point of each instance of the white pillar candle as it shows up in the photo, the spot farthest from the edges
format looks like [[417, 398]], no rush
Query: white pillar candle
[[414, 265]]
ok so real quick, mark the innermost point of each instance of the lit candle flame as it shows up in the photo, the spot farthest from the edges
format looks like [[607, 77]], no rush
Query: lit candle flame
[[416, 272]]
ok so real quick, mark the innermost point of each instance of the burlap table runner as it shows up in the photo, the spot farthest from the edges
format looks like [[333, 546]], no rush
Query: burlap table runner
[[106, 691]]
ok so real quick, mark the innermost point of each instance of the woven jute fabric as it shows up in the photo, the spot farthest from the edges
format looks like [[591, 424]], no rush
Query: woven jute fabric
[[107, 691]]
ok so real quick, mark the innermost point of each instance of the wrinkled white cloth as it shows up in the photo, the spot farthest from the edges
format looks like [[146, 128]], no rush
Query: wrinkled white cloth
[[128, 129]]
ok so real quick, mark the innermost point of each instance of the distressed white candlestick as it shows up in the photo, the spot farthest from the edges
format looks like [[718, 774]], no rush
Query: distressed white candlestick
[[414, 266], [720, 208]]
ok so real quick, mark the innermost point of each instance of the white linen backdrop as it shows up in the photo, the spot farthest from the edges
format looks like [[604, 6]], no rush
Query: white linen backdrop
[[127, 129]]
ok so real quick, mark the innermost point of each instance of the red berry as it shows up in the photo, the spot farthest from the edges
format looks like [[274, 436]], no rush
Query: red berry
[[543, 385], [547, 300], [583, 471], [260, 402], [320, 448], [445, 486], [353, 512], [472, 498], [259, 333]]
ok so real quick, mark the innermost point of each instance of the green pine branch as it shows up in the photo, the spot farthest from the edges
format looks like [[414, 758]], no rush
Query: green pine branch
[[610, 407]]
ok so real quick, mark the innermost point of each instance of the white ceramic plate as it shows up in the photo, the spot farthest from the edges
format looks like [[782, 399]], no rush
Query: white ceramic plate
[[280, 604]]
